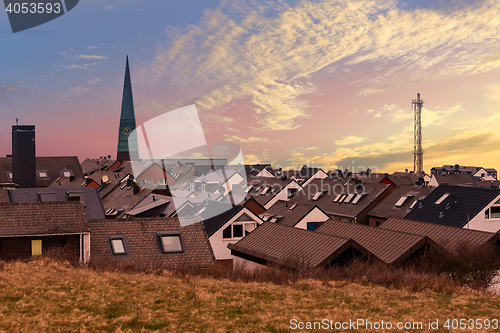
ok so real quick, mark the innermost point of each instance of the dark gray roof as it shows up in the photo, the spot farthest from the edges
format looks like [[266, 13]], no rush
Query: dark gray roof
[[122, 199], [387, 207], [90, 165], [88, 196], [446, 236], [464, 203], [389, 246], [216, 222], [39, 218], [274, 243], [152, 197], [54, 166], [143, 246], [289, 217]]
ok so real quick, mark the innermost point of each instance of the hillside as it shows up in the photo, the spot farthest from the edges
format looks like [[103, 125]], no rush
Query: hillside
[[43, 295]]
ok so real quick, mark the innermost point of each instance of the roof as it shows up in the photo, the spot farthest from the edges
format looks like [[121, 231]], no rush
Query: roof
[[91, 165], [88, 196], [53, 166], [143, 246], [446, 236], [150, 209], [388, 208], [290, 216], [274, 243], [464, 180], [152, 197], [404, 178], [463, 204], [40, 218], [122, 199], [391, 247]]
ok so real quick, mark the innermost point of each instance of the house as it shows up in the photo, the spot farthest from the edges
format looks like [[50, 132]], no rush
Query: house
[[228, 227], [89, 197], [272, 243], [32, 228], [458, 179], [390, 247], [153, 205], [460, 206], [398, 203], [149, 244], [487, 173], [302, 216], [448, 237]]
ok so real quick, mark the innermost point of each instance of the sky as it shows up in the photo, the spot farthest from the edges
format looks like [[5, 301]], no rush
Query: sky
[[323, 83]]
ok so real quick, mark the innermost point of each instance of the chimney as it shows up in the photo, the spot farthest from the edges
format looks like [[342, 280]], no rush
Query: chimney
[[71, 178], [135, 188], [23, 156]]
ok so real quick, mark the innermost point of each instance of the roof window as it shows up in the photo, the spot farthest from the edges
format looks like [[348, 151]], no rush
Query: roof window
[[117, 246]]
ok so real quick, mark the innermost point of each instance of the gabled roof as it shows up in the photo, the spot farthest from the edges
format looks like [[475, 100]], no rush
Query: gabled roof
[[53, 166], [290, 216], [388, 208], [143, 246], [91, 165], [463, 204], [41, 218], [391, 247], [122, 199], [447, 237], [149, 210], [166, 210], [274, 243], [88, 196], [216, 222]]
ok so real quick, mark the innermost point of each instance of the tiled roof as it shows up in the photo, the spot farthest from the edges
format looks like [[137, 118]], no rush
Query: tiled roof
[[143, 244], [274, 243], [391, 247], [53, 166], [166, 211], [37, 218], [123, 199], [387, 207], [89, 197], [464, 180], [463, 204], [290, 217], [89, 165], [446, 236]]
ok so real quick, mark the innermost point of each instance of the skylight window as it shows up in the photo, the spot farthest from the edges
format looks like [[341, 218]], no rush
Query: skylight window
[[444, 196], [356, 199], [349, 197], [258, 189], [342, 198], [401, 201], [10, 175], [274, 219], [337, 198], [171, 243], [42, 174], [265, 217], [202, 210], [413, 204], [316, 196], [264, 190], [293, 206], [66, 174], [117, 246]]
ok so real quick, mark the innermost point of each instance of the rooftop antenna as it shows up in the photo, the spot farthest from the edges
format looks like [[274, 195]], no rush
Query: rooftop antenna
[[17, 121], [418, 158]]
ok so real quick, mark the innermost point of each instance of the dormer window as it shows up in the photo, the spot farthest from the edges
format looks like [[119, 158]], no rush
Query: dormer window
[[66, 174], [203, 187]]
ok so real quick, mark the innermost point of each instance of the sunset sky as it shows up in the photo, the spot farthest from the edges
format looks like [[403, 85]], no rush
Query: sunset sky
[[328, 83]]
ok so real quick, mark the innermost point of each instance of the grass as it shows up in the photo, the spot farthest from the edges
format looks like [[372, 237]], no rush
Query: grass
[[49, 296]]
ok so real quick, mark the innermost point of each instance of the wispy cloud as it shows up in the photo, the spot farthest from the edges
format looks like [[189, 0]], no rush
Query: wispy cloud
[[348, 140], [93, 81], [84, 66], [236, 138], [109, 8], [78, 90], [86, 56], [269, 58], [15, 89], [91, 47]]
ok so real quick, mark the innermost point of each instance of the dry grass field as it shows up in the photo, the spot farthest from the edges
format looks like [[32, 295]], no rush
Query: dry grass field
[[48, 296]]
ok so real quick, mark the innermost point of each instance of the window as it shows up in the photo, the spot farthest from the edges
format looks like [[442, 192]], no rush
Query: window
[[337, 198], [313, 225], [316, 195], [191, 186], [342, 198], [349, 197], [42, 174], [444, 196], [36, 247], [413, 204], [10, 175], [171, 242], [66, 173], [356, 199], [148, 181], [162, 181], [495, 212], [487, 214], [238, 230], [293, 206], [117, 246], [264, 191], [401, 201], [203, 187]]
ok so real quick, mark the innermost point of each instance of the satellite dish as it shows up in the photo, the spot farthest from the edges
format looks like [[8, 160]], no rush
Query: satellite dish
[[105, 179]]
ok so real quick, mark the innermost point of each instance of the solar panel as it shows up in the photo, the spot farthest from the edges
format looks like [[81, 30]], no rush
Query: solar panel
[[349, 197]]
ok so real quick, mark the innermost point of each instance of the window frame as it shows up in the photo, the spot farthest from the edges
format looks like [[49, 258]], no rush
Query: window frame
[[245, 231], [113, 250], [170, 233]]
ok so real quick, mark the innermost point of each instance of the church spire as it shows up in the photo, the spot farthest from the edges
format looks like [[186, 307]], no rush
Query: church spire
[[127, 121]]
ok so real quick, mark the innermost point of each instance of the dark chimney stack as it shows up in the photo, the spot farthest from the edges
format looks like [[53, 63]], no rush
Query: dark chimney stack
[[23, 156]]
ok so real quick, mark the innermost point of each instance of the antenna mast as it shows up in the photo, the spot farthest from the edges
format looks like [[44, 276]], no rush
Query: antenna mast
[[418, 158]]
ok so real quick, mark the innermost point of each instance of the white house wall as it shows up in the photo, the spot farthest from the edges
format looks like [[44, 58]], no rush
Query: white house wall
[[315, 215], [283, 194], [320, 174], [478, 222]]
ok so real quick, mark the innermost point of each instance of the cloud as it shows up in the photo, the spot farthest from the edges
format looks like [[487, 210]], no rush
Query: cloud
[[93, 81], [92, 47], [369, 111], [84, 66], [354, 112], [78, 90], [217, 118], [15, 89], [311, 148], [377, 115], [236, 138], [348, 140], [109, 8], [85, 56], [270, 51]]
